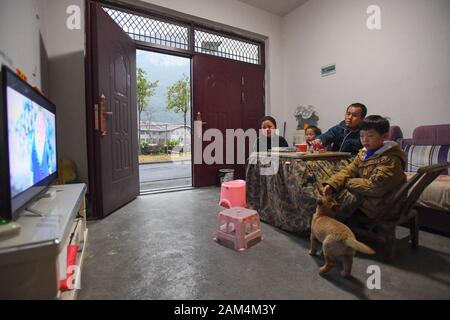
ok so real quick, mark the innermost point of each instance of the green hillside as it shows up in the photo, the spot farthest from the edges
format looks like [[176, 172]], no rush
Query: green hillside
[[168, 70]]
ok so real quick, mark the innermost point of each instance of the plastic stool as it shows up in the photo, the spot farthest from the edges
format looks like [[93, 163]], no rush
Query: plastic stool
[[246, 227], [232, 194]]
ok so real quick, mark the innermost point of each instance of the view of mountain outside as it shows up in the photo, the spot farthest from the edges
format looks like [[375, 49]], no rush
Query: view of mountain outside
[[164, 116]]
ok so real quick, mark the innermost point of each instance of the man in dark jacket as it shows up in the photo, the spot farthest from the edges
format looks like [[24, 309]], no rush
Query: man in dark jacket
[[344, 137]]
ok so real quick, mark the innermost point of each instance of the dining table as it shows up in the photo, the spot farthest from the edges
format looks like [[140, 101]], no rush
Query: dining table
[[284, 186]]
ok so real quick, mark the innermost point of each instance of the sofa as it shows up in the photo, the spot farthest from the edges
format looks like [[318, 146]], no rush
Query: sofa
[[395, 134], [431, 145]]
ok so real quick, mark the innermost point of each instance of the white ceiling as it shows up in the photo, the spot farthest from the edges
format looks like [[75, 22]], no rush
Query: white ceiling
[[279, 7]]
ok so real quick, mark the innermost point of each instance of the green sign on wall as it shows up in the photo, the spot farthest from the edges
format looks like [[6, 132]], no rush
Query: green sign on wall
[[327, 70]]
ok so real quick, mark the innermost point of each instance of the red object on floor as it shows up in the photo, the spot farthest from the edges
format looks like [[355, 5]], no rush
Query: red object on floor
[[72, 251]]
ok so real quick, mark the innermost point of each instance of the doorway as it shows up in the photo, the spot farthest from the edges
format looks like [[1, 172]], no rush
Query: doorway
[[164, 121], [121, 135]]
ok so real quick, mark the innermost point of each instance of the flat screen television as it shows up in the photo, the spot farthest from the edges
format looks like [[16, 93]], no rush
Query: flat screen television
[[28, 158]]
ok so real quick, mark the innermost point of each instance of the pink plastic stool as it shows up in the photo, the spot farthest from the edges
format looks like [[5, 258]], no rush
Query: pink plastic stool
[[232, 194], [246, 227]]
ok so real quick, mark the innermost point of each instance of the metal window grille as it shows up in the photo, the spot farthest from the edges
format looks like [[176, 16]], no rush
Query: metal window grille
[[151, 30], [222, 46]]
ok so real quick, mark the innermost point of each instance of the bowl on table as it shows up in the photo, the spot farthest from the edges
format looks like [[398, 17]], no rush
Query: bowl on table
[[301, 147]]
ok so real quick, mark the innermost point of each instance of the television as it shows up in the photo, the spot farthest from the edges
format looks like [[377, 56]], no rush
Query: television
[[28, 159]]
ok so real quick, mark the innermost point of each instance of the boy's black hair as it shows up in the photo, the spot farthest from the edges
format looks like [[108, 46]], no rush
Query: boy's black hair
[[361, 106], [377, 123], [316, 130], [271, 119]]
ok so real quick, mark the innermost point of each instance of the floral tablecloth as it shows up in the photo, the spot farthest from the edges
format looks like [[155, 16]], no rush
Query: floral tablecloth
[[284, 189]]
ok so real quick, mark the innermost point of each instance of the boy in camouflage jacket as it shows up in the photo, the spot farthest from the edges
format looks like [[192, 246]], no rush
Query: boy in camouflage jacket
[[375, 174]]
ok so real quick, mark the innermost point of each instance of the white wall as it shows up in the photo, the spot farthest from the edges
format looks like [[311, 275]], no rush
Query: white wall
[[19, 37], [401, 71], [55, 64], [66, 50]]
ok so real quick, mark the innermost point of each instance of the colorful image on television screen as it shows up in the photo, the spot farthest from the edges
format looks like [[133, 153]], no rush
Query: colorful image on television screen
[[31, 140]]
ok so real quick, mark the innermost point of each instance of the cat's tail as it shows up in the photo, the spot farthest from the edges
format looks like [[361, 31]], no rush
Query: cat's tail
[[359, 246]]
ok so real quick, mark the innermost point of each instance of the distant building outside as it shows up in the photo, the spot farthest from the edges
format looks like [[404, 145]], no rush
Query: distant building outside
[[157, 133]]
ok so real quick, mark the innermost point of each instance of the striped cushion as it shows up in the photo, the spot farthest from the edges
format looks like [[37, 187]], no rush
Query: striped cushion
[[419, 156]]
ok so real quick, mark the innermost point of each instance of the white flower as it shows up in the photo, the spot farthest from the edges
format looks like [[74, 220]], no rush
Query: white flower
[[304, 112]]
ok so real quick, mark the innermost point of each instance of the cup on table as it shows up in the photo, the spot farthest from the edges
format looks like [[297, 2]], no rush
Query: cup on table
[[301, 147], [318, 147]]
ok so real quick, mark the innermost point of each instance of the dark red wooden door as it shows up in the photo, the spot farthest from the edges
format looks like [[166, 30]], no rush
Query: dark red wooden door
[[253, 97], [253, 102], [115, 150], [225, 94]]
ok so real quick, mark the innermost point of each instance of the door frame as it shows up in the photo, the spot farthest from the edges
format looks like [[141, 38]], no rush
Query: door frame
[[141, 46], [93, 173], [94, 185]]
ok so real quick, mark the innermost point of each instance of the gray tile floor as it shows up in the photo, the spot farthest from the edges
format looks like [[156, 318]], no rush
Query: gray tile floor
[[161, 247]]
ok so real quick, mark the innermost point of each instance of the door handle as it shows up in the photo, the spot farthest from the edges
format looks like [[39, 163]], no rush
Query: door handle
[[198, 125], [199, 118], [96, 124], [103, 114]]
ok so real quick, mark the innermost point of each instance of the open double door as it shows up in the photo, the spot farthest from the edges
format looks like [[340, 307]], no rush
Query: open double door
[[228, 94]]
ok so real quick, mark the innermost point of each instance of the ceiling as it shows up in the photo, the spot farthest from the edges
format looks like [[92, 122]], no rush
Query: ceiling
[[279, 7]]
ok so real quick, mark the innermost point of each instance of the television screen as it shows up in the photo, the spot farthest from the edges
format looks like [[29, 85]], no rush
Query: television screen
[[31, 140], [29, 137]]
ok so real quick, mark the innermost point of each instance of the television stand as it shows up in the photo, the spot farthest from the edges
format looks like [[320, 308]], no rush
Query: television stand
[[51, 192], [37, 207], [33, 262]]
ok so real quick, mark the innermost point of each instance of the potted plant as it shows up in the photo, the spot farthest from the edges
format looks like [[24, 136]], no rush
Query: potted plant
[[306, 116]]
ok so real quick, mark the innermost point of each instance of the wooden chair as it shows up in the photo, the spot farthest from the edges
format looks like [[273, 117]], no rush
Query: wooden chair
[[382, 230]]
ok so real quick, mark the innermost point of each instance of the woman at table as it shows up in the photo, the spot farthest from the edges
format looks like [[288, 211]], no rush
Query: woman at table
[[268, 136]]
